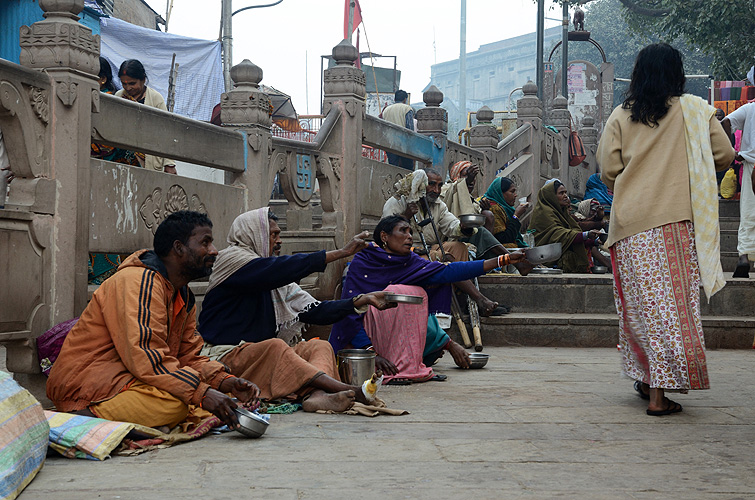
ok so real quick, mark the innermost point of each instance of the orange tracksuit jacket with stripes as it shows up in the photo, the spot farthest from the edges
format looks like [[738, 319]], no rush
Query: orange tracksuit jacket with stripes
[[127, 332]]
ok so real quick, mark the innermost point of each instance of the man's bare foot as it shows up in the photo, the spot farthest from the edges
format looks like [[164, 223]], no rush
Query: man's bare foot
[[460, 355], [485, 305], [321, 400], [524, 268]]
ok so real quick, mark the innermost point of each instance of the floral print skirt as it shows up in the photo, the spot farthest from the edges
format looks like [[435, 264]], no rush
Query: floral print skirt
[[657, 294]]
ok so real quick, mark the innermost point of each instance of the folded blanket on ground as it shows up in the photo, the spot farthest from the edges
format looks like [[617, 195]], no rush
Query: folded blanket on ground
[[23, 437], [77, 436]]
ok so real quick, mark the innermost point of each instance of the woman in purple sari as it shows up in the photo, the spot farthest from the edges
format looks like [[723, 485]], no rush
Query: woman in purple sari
[[407, 339]]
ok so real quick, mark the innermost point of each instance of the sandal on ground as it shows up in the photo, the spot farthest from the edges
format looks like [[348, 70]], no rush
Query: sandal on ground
[[438, 377], [638, 388], [671, 407], [742, 271], [399, 381]]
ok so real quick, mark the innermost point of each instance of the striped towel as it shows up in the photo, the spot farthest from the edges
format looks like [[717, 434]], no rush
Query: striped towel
[[703, 191], [77, 436], [23, 437]]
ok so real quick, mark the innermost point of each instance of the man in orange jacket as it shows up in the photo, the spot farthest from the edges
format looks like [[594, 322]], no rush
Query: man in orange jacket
[[134, 354]]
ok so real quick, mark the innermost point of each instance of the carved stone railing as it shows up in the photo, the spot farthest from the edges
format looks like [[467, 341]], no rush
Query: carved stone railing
[[129, 125]]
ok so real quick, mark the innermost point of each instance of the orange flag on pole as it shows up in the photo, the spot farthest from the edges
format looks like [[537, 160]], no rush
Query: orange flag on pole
[[357, 17]]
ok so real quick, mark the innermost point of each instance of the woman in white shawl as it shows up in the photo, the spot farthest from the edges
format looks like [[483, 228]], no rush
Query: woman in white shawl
[[253, 310]]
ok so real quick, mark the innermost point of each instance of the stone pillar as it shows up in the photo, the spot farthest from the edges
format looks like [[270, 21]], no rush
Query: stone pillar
[[68, 52], [529, 109], [247, 109], [484, 137], [432, 120], [561, 119], [344, 90], [589, 136]]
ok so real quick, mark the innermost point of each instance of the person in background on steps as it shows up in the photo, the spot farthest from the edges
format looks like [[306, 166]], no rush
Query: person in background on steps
[[401, 114], [663, 145], [744, 119]]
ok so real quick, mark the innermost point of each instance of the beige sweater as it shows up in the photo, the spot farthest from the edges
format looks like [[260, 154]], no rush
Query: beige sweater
[[646, 167]]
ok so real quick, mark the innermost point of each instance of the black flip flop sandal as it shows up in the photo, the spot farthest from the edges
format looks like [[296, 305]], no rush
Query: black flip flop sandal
[[638, 388], [742, 271], [438, 377], [673, 407]]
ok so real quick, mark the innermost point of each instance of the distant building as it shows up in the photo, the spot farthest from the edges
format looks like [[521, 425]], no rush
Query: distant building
[[493, 71], [136, 12]]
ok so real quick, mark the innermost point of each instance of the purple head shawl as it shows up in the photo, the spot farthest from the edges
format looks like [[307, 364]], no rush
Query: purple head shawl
[[374, 269]]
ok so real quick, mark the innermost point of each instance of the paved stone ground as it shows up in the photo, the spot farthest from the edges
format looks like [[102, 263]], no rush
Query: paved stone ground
[[535, 423]]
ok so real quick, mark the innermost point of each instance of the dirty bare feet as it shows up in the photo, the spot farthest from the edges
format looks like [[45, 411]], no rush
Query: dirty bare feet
[[524, 267], [485, 305], [321, 400], [460, 355]]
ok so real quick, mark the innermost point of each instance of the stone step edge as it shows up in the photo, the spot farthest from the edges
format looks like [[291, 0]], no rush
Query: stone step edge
[[600, 320]]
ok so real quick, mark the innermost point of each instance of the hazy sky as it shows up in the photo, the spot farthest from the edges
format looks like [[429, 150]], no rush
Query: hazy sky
[[287, 40]]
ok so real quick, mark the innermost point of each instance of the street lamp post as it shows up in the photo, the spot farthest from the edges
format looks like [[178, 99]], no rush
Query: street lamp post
[[540, 46], [226, 29]]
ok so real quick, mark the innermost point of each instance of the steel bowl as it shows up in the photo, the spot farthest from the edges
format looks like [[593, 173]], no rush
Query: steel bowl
[[402, 299], [545, 253], [478, 359], [472, 220], [250, 425], [599, 270], [546, 270]]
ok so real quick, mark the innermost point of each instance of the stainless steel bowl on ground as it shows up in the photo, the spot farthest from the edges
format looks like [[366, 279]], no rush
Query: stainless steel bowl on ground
[[599, 270], [478, 359], [251, 425], [472, 220]]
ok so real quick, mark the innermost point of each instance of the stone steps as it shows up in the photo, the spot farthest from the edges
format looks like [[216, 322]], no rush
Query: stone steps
[[597, 330], [579, 311]]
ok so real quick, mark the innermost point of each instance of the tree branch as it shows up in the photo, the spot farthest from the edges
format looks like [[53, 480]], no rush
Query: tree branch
[[634, 7]]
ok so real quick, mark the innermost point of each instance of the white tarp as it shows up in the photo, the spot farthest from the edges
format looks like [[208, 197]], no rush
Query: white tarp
[[199, 82]]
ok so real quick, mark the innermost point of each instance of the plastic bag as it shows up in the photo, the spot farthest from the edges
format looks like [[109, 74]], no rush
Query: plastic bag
[[729, 184]]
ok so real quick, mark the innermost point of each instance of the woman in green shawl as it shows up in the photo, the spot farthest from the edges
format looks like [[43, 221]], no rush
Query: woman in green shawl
[[501, 195], [553, 223]]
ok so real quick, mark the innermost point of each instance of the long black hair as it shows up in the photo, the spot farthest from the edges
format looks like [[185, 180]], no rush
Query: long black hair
[[658, 75]]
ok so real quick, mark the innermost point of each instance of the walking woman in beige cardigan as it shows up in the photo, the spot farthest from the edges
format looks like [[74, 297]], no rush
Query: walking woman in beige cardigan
[[663, 145]]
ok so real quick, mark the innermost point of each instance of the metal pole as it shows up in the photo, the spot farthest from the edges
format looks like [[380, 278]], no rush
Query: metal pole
[[227, 42], [565, 50], [351, 19], [463, 66], [540, 46]]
